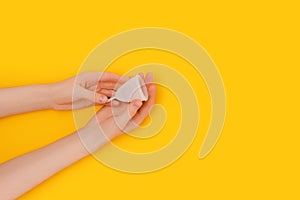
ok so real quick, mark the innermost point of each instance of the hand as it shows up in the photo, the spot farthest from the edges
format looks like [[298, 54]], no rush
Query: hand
[[84, 90], [35, 167], [112, 121]]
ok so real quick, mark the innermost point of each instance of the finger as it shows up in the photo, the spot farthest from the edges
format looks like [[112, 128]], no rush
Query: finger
[[91, 78], [143, 111], [112, 103], [132, 108], [95, 97], [148, 104], [93, 88], [113, 85], [141, 75], [109, 85], [149, 78], [108, 93], [104, 76], [119, 81]]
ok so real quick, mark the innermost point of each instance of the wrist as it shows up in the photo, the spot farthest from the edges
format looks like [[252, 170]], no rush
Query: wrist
[[58, 95], [91, 139], [82, 150], [39, 97]]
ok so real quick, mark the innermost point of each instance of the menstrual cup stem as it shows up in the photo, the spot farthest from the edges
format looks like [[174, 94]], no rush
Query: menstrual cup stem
[[111, 98]]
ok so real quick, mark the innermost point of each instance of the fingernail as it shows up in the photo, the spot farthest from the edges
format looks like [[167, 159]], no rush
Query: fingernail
[[141, 75], [137, 103], [102, 99]]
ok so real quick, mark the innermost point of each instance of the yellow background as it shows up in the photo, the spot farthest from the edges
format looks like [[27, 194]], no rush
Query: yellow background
[[255, 44]]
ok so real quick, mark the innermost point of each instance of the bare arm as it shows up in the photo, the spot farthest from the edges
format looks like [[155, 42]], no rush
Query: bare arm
[[77, 92], [21, 174], [25, 172], [24, 99]]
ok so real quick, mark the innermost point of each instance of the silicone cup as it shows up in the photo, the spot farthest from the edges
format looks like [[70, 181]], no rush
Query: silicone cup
[[134, 88]]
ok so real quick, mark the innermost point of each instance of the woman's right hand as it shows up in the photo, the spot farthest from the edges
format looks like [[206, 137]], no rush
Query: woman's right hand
[[113, 120]]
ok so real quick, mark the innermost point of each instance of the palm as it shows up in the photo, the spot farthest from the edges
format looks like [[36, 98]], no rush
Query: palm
[[114, 120]]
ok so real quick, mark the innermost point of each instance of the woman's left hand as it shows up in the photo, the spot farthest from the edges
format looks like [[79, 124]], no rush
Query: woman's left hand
[[85, 89]]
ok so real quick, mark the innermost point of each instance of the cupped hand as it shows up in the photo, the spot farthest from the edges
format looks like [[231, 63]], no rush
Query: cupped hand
[[111, 121]]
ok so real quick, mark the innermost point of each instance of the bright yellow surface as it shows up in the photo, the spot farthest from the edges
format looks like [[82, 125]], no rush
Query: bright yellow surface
[[254, 44]]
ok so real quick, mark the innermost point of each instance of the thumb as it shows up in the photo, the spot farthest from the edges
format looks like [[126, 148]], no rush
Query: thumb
[[128, 113], [93, 96]]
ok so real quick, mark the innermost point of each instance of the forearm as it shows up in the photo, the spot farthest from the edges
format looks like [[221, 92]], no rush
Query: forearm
[[25, 172], [26, 98]]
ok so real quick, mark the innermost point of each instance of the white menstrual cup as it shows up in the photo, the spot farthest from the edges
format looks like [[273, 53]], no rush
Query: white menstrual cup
[[134, 88]]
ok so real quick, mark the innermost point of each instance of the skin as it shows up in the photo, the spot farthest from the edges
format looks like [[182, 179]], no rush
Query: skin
[[26, 171], [89, 88]]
